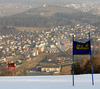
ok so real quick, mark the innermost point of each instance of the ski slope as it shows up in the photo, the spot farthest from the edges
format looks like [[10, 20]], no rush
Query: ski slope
[[50, 82]]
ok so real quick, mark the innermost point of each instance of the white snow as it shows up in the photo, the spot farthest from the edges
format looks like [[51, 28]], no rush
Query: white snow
[[50, 82]]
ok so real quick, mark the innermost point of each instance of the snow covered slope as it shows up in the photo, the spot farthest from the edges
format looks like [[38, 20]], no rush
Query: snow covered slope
[[49, 82]]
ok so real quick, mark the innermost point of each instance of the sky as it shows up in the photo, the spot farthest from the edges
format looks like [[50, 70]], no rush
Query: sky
[[45, 1]]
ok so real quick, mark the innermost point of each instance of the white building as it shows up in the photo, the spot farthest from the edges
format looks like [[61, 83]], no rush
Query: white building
[[51, 68]]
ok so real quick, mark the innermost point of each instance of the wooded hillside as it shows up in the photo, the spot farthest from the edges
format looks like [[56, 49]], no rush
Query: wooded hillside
[[50, 17]]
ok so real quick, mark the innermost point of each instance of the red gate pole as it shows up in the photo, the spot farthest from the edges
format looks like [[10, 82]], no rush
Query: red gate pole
[[8, 68]]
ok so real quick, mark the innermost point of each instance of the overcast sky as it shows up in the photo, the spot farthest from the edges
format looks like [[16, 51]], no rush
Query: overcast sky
[[44, 1]]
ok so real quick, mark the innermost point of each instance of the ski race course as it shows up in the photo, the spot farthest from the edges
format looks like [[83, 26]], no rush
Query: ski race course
[[50, 82]]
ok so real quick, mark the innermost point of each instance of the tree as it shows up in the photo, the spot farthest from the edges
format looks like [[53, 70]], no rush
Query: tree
[[77, 68]]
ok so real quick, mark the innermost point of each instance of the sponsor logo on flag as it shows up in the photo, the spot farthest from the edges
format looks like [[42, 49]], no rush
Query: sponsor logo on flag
[[81, 48], [11, 64]]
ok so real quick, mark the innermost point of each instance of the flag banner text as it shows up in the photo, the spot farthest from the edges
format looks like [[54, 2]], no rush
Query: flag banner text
[[81, 48], [11, 64]]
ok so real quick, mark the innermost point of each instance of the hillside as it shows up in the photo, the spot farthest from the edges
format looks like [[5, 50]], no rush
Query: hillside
[[50, 11], [50, 17], [6, 30]]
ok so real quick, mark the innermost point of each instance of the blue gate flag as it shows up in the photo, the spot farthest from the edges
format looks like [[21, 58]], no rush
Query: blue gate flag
[[81, 48]]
